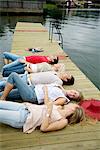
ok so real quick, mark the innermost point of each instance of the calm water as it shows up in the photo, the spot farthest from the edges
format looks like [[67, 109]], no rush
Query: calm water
[[81, 35]]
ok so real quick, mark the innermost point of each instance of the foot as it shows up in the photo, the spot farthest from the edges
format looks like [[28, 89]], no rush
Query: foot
[[2, 98], [6, 61]]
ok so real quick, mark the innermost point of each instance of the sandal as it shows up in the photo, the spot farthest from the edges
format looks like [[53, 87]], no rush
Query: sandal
[[34, 50]]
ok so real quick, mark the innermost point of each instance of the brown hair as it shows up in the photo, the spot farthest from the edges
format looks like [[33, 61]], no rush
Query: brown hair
[[69, 81], [77, 116], [55, 61], [78, 99]]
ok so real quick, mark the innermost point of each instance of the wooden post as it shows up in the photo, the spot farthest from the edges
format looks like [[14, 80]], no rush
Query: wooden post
[[21, 3], [7, 4]]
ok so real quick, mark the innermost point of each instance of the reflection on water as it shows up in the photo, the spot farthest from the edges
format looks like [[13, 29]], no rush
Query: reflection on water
[[7, 26], [81, 34]]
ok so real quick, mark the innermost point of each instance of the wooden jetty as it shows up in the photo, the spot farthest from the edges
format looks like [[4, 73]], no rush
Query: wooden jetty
[[77, 137]]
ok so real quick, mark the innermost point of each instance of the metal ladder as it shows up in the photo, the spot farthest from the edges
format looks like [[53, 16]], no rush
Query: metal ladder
[[57, 26]]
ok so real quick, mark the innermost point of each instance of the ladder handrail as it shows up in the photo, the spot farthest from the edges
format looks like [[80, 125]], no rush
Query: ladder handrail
[[53, 25]]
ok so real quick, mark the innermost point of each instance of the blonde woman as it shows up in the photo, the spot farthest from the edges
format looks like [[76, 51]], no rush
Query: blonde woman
[[48, 117]]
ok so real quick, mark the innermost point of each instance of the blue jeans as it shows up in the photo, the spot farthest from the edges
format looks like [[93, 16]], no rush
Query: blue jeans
[[18, 69], [15, 66], [4, 81], [26, 92], [10, 56], [13, 114]]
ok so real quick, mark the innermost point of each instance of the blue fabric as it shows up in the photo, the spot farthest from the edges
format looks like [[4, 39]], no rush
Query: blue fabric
[[26, 92], [13, 114], [10, 56], [18, 69], [4, 81], [15, 66], [2, 85]]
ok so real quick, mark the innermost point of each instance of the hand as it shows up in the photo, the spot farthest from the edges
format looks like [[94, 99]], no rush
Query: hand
[[21, 60], [25, 68]]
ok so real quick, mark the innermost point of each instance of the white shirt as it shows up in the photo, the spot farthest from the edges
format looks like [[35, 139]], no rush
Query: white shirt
[[45, 78], [54, 92], [41, 67]]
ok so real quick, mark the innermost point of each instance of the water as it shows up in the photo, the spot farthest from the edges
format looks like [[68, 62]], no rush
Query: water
[[81, 34], [82, 43]]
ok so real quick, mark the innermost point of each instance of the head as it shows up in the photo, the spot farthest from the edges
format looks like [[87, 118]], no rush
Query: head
[[67, 79], [53, 59], [74, 95], [77, 116]]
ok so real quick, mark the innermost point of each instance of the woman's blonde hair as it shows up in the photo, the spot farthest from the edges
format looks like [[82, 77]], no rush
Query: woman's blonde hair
[[80, 97], [77, 116]]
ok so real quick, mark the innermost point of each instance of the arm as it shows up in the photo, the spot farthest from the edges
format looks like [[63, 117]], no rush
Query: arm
[[46, 124], [46, 121], [55, 125], [28, 69], [46, 100], [60, 101]]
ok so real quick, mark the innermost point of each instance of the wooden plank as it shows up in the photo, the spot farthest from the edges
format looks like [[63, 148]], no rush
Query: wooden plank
[[81, 136], [33, 140]]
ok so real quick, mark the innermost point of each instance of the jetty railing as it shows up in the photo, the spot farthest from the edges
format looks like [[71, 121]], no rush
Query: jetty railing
[[22, 4], [57, 26]]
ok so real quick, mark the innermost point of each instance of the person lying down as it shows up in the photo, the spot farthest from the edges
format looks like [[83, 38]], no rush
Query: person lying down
[[47, 117]]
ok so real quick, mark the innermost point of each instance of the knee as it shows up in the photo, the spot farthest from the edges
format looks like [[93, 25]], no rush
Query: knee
[[13, 74], [12, 77], [5, 54]]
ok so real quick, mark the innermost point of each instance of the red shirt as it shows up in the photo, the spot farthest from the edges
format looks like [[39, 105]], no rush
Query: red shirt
[[37, 59]]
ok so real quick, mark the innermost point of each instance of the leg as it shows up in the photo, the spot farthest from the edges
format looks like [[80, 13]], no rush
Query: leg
[[10, 56], [7, 90], [11, 65], [10, 105], [6, 61], [13, 114], [14, 96], [4, 81], [16, 65], [26, 92], [2, 85], [19, 69]]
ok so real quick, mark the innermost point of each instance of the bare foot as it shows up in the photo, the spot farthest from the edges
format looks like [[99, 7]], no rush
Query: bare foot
[[2, 98]]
